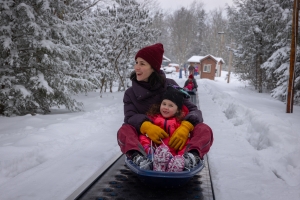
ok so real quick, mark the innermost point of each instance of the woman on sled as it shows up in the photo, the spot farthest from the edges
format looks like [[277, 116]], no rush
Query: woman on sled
[[149, 84]]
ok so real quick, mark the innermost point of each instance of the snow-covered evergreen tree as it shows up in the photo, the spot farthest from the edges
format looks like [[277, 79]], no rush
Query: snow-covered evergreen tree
[[277, 66], [39, 61], [262, 32], [52, 49]]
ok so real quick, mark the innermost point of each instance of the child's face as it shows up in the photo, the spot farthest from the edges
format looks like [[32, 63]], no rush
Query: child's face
[[168, 108]]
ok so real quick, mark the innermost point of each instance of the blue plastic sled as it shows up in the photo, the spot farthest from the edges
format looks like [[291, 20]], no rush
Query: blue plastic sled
[[163, 179]]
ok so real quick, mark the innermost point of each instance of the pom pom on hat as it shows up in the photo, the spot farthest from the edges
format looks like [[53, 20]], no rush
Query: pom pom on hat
[[153, 55], [191, 76]]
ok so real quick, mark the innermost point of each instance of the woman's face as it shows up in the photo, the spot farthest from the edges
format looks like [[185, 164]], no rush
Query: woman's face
[[142, 69], [168, 108]]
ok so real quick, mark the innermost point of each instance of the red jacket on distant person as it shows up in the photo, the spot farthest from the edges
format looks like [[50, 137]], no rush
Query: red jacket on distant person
[[190, 85]]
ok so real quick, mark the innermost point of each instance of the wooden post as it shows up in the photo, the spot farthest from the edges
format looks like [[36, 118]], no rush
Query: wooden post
[[221, 46], [290, 91]]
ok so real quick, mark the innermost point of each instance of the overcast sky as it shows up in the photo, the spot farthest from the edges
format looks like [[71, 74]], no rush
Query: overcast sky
[[208, 4]]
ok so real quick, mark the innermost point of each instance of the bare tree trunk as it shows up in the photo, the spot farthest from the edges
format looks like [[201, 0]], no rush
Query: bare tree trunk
[[102, 85], [256, 73], [110, 86], [259, 74]]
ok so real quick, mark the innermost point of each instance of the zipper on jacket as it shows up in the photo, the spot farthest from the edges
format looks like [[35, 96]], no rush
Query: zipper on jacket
[[167, 129]]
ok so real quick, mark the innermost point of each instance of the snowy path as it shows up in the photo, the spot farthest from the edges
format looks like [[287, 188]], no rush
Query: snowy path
[[242, 155]]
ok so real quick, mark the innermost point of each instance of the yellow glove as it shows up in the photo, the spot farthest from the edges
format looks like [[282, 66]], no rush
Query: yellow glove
[[155, 133], [181, 135]]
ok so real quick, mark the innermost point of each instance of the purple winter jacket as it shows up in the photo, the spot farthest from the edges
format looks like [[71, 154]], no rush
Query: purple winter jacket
[[139, 98]]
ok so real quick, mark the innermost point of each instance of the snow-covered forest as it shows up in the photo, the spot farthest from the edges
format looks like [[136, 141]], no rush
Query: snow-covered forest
[[53, 49], [261, 33]]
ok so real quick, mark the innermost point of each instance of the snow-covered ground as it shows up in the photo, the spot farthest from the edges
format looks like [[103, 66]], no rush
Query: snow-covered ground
[[255, 155]]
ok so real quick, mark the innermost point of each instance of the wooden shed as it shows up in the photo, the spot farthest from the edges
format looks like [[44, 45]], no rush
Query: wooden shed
[[208, 66]]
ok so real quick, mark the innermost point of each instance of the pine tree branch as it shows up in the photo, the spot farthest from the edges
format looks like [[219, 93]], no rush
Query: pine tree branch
[[89, 6]]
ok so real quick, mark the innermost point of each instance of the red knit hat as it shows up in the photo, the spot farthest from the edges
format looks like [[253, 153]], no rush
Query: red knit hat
[[191, 76], [153, 55]]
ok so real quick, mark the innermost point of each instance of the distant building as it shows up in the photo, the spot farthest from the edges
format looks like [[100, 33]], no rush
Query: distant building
[[207, 66], [166, 61]]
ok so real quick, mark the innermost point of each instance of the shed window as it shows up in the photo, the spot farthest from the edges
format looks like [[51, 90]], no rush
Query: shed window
[[207, 68]]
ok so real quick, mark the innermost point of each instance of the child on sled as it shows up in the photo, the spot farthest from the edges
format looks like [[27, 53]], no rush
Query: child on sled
[[190, 84], [168, 116]]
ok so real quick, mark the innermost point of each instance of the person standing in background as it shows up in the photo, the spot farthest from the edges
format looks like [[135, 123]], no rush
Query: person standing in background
[[191, 70]]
